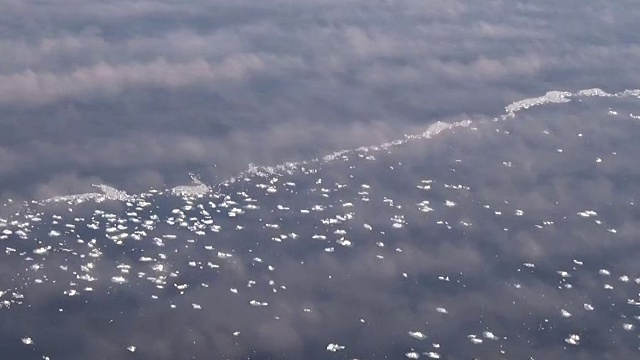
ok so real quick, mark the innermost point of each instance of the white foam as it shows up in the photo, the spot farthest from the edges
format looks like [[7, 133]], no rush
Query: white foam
[[198, 188], [555, 97], [108, 193]]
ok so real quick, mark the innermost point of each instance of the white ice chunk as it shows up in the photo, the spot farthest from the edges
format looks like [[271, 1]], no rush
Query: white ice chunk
[[334, 347], [418, 335], [573, 339]]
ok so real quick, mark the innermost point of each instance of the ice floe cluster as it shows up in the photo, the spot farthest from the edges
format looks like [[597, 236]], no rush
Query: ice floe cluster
[[434, 249]]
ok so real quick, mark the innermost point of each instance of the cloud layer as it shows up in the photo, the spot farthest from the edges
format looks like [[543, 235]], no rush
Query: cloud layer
[[77, 71]]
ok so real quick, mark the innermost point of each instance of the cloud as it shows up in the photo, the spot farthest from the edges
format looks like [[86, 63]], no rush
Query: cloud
[[104, 79]]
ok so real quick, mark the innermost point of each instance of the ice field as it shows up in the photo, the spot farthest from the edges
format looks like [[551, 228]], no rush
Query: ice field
[[512, 236]]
